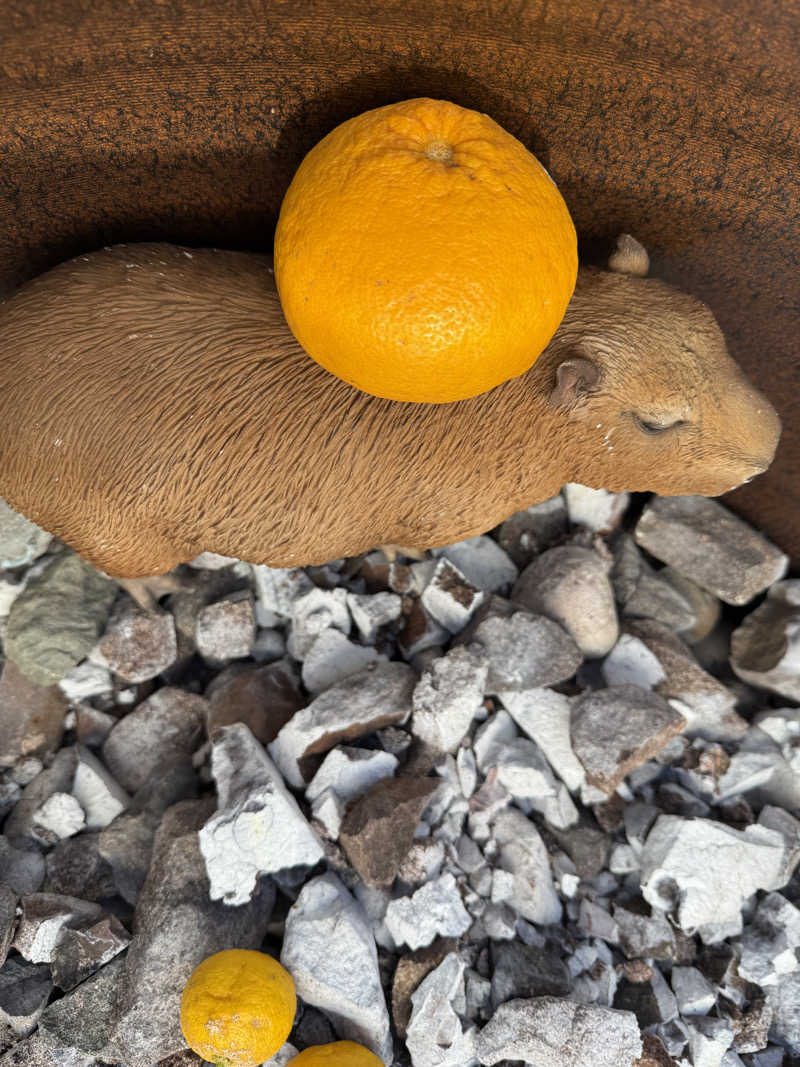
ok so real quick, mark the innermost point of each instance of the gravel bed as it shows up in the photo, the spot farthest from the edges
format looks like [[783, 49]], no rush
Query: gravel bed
[[534, 799]]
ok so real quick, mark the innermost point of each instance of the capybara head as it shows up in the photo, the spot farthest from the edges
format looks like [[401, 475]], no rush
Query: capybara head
[[649, 396]]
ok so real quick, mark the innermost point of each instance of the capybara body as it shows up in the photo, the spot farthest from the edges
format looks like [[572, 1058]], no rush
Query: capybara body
[[154, 404]]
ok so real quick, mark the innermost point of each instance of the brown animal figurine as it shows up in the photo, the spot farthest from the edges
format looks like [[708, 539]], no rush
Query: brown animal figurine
[[154, 404]]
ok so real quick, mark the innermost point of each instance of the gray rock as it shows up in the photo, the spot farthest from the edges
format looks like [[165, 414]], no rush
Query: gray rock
[[376, 697], [162, 728], [57, 618], [559, 1033], [24, 990], [226, 629], [137, 645], [333, 657], [523, 650], [31, 717], [437, 1036], [694, 994], [81, 952], [482, 561], [522, 769], [652, 1002], [570, 585], [21, 869], [329, 950], [522, 853], [125, 844], [522, 971], [57, 778], [704, 541], [708, 898], [177, 926], [82, 1019], [258, 828], [649, 936], [784, 999], [434, 910], [8, 912], [706, 704], [75, 868], [615, 730], [765, 649], [529, 532], [703, 605], [596, 509], [21, 540], [447, 698]]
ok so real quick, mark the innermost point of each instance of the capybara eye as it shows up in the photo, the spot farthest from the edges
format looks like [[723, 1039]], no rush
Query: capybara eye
[[650, 427]]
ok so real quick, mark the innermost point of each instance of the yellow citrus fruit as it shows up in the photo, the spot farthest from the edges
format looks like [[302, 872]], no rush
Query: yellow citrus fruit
[[422, 253], [238, 1008], [336, 1054]]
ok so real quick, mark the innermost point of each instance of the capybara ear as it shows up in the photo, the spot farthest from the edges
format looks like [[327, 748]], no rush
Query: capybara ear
[[629, 257], [574, 379]]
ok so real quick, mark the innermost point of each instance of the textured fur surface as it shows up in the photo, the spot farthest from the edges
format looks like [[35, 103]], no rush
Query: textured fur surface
[[153, 404]]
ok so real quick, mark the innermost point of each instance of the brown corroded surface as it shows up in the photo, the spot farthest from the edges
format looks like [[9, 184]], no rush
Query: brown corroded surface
[[185, 119]]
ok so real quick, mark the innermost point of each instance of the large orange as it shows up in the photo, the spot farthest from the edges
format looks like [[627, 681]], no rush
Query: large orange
[[422, 253]]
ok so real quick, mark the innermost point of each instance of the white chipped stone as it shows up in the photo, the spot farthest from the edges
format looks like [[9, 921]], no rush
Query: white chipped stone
[[447, 698], [376, 697], [43, 920], [499, 920], [523, 770], [482, 561], [314, 612], [693, 992], [329, 950], [770, 942], [436, 1035], [258, 827], [708, 897], [100, 796], [9, 591], [350, 772], [596, 509], [372, 611], [630, 662], [328, 808], [85, 681], [333, 657], [709, 1040], [449, 597], [285, 1054], [434, 910], [61, 814], [467, 771], [278, 587], [423, 862], [491, 736], [523, 854], [553, 1032], [544, 716]]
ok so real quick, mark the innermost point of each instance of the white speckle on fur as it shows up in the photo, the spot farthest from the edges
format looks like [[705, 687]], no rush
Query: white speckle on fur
[[57, 441], [188, 254], [132, 336]]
